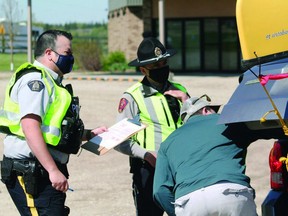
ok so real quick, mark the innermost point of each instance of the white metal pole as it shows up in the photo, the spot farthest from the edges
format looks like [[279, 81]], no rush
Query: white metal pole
[[161, 21], [29, 31]]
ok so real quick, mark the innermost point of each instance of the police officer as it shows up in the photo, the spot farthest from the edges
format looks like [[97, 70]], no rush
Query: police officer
[[151, 100], [42, 123]]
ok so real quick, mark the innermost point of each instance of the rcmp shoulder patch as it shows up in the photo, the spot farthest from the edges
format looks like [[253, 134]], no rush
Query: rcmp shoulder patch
[[122, 104], [36, 85]]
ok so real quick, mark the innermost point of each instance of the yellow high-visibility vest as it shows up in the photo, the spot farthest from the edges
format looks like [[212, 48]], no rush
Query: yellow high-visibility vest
[[155, 112], [58, 106]]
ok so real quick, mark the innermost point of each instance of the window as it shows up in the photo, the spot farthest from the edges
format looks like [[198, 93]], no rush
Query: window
[[229, 45], [174, 41], [202, 44], [192, 45], [211, 44]]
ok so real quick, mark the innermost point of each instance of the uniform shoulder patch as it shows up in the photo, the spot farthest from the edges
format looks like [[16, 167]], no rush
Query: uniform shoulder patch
[[122, 104], [36, 85]]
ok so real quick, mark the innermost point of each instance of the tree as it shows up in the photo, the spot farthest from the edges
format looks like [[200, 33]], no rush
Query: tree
[[2, 32], [11, 12]]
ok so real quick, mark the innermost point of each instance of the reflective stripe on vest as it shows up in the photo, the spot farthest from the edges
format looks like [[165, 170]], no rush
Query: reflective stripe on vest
[[51, 122], [155, 112]]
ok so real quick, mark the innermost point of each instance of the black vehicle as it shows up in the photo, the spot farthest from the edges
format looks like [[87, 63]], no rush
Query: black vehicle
[[261, 98], [265, 107]]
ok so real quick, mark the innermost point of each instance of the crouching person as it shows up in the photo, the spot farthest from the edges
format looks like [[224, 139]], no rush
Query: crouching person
[[200, 168]]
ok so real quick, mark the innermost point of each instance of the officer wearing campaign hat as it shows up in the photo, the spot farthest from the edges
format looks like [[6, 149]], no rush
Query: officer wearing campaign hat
[[157, 102], [150, 51]]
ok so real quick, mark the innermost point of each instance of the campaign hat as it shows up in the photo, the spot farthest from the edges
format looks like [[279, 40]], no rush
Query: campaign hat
[[150, 51]]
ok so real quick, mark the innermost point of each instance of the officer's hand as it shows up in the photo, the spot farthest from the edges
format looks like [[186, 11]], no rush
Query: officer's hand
[[98, 130], [177, 94], [58, 180], [150, 157]]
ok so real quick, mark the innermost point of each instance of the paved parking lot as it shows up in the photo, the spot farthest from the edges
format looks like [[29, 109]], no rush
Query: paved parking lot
[[102, 184]]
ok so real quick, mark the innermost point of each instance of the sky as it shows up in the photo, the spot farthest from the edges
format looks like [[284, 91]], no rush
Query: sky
[[62, 11]]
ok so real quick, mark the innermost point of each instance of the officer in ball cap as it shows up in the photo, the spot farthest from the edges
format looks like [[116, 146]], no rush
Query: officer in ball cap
[[157, 102]]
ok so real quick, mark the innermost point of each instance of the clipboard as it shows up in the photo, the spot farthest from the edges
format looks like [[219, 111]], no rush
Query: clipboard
[[115, 135]]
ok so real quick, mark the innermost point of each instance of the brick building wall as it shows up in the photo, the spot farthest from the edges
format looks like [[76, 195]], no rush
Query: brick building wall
[[196, 8], [125, 28]]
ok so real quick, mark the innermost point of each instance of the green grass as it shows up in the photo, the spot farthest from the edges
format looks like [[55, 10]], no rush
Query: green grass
[[19, 59], [5, 61]]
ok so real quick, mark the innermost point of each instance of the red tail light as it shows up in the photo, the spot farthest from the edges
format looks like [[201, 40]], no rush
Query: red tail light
[[276, 168]]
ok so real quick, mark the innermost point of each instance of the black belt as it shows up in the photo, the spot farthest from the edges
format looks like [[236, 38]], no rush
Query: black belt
[[21, 165]]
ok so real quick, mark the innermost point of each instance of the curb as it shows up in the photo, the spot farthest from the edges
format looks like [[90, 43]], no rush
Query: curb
[[120, 79]]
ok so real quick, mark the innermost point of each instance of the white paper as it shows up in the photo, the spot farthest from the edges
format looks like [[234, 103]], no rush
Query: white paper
[[115, 135]]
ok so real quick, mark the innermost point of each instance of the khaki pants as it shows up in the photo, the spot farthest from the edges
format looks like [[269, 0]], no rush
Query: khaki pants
[[221, 199]]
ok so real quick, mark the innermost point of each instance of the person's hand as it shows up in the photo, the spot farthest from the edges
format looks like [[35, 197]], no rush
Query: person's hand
[[58, 180], [177, 94], [98, 130], [150, 157]]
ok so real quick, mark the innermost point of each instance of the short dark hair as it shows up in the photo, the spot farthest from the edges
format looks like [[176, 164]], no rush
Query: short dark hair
[[48, 39]]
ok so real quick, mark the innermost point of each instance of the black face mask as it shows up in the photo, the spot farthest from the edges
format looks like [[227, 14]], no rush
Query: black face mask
[[65, 63], [160, 75]]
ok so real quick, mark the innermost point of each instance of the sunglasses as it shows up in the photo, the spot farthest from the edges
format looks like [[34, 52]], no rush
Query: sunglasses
[[206, 96]]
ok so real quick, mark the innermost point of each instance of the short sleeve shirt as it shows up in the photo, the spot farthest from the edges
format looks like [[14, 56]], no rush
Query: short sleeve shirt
[[30, 92]]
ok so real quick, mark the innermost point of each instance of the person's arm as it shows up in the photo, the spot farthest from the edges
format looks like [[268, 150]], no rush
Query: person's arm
[[33, 101], [163, 184], [180, 95], [128, 109], [31, 126], [177, 93]]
